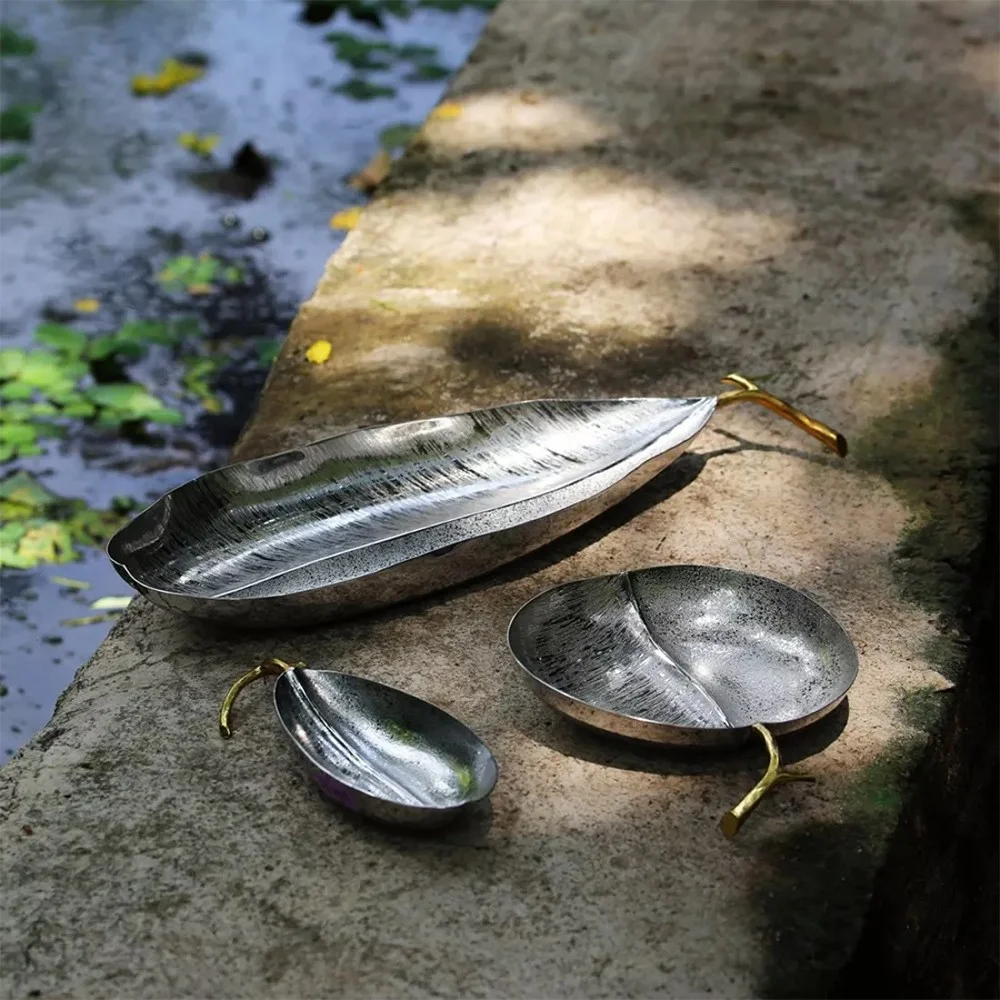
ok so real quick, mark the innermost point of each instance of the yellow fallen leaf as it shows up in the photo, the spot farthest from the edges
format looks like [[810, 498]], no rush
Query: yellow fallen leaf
[[347, 219], [173, 74], [91, 619], [201, 145], [111, 603], [200, 288], [446, 111], [374, 172], [319, 352], [86, 305]]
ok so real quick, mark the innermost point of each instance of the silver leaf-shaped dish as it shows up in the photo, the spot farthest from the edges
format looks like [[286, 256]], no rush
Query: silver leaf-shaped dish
[[376, 750], [364, 519], [686, 655]]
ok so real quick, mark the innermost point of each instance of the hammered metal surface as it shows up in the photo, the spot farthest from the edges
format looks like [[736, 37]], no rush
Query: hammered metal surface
[[349, 522], [381, 751], [675, 652]]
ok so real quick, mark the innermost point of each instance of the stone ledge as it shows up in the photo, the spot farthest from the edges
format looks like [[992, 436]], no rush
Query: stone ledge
[[637, 199]]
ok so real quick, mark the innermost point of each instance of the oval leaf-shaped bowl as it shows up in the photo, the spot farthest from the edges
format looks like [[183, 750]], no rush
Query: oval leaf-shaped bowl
[[684, 655], [361, 520], [381, 752]]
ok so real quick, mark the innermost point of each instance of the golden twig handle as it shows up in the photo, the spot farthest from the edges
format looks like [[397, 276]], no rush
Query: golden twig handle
[[750, 393], [272, 667], [737, 816]]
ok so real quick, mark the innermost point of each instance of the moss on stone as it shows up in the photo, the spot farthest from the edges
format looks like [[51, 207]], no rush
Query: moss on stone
[[935, 449]]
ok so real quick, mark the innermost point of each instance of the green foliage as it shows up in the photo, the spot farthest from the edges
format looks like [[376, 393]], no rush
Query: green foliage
[[15, 122], [416, 53], [13, 43], [452, 6], [41, 527], [397, 136], [359, 89], [197, 274], [268, 351], [363, 11], [362, 55], [40, 388], [11, 161], [124, 402], [425, 72], [358, 53], [196, 381]]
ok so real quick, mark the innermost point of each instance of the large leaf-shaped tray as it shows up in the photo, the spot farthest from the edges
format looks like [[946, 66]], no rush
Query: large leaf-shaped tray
[[382, 514]]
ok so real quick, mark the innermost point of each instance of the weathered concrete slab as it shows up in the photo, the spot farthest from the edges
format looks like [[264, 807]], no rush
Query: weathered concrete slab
[[636, 199]]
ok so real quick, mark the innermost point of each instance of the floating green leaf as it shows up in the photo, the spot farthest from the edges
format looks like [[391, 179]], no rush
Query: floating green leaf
[[358, 53], [48, 541], [40, 526], [197, 372], [90, 619], [416, 53], [360, 89], [425, 72], [397, 136], [15, 435], [146, 332], [126, 401], [453, 6], [267, 353], [11, 161], [16, 391], [11, 534], [62, 338], [22, 497], [13, 43], [11, 362], [111, 603], [15, 122], [51, 373]]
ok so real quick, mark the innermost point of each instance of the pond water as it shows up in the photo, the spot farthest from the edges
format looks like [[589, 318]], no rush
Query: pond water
[[103, 208]]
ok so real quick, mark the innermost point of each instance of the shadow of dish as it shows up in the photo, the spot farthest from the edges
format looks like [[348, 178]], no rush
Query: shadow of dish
[[470, 828], [573, 739]]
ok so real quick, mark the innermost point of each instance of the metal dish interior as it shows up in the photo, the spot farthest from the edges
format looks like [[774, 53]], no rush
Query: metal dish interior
[[369, 500], [383, 743], [684, 654]]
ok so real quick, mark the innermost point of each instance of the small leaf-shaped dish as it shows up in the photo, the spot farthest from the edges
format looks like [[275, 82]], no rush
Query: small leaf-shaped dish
[[362, 520], [686, 655], [374, 749]]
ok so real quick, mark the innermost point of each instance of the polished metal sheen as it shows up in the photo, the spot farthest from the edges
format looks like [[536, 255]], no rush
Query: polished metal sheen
[[374, 749], [684, 654], [383, 514], [687, 655]]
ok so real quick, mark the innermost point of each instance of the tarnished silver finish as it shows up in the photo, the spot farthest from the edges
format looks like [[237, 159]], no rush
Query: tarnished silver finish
[[378, 751], [684, 654], [363, 519]]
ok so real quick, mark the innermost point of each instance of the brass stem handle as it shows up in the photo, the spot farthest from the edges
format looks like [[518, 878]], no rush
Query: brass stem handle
[[750, 393], [737, 816], [272, 667]]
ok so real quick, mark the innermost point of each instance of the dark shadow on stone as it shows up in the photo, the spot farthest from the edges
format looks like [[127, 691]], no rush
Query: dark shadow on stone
[[934, 923], [810, 887], [489, 348], [469, 829], [574, 740]]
